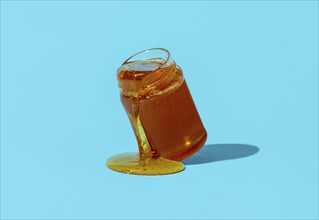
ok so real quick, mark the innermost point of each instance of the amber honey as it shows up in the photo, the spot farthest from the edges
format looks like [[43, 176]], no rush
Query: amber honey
[[163, 116]]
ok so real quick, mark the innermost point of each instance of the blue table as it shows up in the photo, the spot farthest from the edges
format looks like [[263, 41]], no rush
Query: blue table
[[251, 66]]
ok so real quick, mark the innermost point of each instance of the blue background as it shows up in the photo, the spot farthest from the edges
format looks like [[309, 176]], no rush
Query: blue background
[[252, 68]]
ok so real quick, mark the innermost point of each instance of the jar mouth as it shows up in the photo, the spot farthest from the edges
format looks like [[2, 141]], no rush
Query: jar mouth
[[150, 54]]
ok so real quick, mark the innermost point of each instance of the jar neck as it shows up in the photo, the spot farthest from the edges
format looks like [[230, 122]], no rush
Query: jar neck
[[143, 78], [146, 72]]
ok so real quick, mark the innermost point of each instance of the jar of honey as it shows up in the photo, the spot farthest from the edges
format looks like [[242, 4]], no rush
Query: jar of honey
[[162, 113]]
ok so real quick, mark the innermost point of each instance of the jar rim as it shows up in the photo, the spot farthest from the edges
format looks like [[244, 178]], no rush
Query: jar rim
[[166, 60]]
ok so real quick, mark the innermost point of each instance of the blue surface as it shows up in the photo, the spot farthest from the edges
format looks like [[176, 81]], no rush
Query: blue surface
[[252, 68]]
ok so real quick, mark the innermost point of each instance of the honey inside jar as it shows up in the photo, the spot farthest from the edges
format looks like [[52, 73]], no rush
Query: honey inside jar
[[163, 116]]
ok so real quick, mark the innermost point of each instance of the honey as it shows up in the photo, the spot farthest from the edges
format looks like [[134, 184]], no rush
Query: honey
[[163, 116]]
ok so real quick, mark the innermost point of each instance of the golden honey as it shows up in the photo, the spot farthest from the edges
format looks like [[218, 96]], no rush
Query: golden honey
[[162, 113]]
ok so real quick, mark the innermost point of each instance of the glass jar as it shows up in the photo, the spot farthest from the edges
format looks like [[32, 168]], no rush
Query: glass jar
[[160, 107]]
